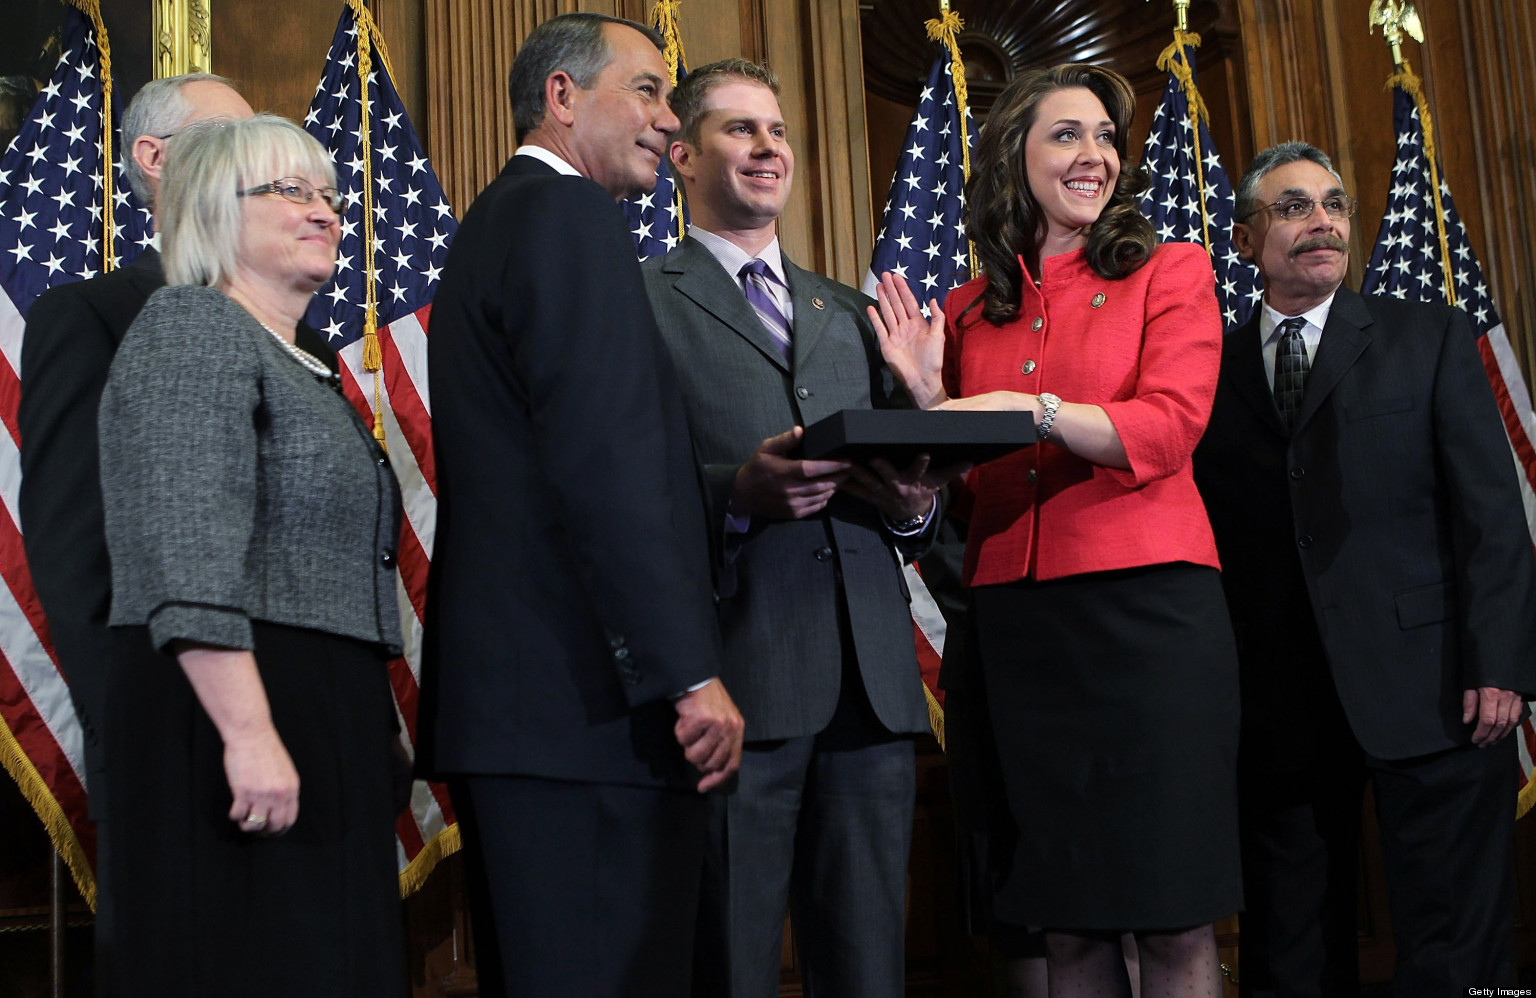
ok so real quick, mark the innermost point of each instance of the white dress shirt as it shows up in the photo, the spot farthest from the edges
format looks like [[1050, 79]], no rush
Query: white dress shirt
[[733, 258], [550, 159]]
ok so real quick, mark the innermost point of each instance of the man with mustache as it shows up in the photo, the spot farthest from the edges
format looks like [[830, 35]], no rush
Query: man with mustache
[[1382, 587]]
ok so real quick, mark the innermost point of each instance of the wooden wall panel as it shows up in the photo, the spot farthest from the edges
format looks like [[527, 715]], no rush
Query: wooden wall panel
[[816, 52], [813, 44], [468, 50], [275, 52]]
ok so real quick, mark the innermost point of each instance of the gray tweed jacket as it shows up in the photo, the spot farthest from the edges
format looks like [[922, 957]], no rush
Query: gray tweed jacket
[[238, 486]]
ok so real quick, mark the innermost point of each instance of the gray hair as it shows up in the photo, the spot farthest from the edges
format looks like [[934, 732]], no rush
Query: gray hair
[[1273, 158], [160, 110], [573, 43], [207, 165]]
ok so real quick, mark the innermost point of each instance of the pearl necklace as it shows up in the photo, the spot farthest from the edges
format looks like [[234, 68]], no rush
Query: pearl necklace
[[314, 365]]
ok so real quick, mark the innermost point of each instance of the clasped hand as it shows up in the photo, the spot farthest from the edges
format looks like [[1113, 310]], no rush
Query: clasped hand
[[779, 487]]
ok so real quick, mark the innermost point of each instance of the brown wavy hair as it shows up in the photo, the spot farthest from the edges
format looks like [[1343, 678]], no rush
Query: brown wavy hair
[[1004, 219]]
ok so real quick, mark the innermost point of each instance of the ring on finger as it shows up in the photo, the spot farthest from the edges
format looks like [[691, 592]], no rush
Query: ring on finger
[[256, 819]]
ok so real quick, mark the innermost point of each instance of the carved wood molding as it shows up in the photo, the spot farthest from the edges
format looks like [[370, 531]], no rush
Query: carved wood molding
[[1004, 37], [183, 37]]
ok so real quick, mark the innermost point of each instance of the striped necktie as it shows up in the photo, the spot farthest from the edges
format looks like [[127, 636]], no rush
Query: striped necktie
[[1291, 367], [755, 277]]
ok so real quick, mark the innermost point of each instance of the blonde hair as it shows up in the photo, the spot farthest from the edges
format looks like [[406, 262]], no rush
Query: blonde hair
[[207, 164]]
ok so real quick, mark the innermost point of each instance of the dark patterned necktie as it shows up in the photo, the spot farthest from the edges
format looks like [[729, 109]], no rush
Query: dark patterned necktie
[[1291, 367], [755, 276]]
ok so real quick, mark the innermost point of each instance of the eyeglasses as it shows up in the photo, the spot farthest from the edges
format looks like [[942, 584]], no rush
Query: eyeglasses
[[1338, 207], [298, 192]]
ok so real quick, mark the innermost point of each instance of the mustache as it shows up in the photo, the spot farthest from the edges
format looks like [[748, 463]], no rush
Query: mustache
[[1329, 241]]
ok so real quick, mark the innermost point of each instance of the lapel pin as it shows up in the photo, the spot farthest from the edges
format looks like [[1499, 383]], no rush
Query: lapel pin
[[818, 303], [1098, 300]]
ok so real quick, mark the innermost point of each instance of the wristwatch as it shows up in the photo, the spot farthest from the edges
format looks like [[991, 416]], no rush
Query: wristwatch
[[1048, 405]]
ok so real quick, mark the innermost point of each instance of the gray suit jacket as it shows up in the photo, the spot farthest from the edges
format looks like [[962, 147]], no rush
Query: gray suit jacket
[[781, 586], [239, 487]]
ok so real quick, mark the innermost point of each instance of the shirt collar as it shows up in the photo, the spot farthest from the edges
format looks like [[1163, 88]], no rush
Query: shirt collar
[[1270, 319], [733, 257], [548, 158]]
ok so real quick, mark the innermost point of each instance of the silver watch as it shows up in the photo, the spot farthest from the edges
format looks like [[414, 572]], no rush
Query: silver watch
[[1048, 405]]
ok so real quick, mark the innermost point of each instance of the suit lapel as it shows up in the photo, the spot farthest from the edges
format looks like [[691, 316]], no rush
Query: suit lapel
[[702, 280], [1246, 376], [805, 290], [1345, 338]]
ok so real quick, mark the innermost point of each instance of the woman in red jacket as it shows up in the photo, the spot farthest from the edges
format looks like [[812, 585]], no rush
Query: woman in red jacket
[[1097, 619]]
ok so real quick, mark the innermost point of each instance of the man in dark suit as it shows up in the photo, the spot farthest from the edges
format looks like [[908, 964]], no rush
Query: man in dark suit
[[1382, 588], [570, 657], [72, 332], [813, 609]]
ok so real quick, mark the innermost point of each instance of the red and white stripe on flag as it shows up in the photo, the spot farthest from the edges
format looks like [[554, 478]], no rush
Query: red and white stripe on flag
[[426, 831], [40, 739]]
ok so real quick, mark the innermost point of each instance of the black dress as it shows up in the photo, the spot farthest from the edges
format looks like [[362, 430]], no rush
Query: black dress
[[203, 908], [1114, 704]]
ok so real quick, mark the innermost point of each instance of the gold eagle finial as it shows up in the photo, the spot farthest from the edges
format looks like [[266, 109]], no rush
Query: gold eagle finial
[[1397, 18]]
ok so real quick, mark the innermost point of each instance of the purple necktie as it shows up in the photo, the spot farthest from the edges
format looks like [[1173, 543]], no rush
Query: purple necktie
[[755, 276], [1291, 367]]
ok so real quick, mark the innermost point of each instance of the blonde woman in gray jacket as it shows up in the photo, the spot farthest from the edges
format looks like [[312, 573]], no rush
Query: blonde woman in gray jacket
[[252, 523]]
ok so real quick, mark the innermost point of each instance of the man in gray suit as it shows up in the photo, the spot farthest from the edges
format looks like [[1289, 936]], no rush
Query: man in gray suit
[[812, 605]]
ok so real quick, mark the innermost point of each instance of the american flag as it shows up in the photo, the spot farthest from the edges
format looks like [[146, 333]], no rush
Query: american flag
[[653, 216], [922, 230], [1191, 200], [922, 240], [1408, 262], [390, 187], [52, 223]]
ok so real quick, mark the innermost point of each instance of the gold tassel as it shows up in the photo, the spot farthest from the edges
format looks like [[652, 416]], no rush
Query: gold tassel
[[373, 353], [664, 20], [1175, 59], [945, 29], [935, 715]]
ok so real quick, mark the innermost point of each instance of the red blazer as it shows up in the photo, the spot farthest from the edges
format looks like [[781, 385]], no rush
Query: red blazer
[[1147, 348]]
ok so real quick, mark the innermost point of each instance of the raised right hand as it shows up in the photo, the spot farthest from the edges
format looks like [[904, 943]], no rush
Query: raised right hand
[[784, 488], [913, 346]]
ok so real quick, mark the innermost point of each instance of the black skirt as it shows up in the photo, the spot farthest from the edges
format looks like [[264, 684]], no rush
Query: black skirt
[[201, 908], [1114, 703]]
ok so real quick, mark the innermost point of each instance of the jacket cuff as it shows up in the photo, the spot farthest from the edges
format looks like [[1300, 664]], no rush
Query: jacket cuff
[[200, 623]]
